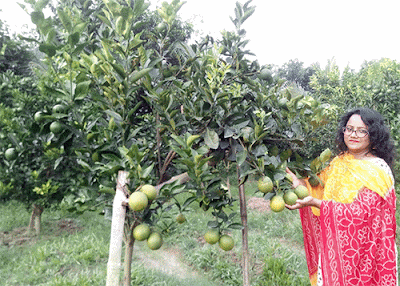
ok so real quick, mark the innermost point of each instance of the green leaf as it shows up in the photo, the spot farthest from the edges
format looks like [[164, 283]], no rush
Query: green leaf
[[211, 139], [146, 172], [83, 163], [235, 225], [37, 17], [247, 14], [105, 20], [241, 157], [269, 196], [82, 90], [73, 39], [57, 162], [80, 27], [228, 132], [65, 20], [178, 139], [212, 224], [49, 50], [119, 69], [138, 75], [41, 4], [190, 140], [114, 114], [189, 201]]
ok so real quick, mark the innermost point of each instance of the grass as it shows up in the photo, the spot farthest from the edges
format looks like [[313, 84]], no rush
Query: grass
[[73, 250]]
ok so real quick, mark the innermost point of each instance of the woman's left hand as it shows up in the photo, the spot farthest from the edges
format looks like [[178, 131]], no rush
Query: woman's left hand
[[306, 202]]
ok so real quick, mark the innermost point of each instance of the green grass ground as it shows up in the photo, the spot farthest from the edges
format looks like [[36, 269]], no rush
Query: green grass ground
[[73, 250]]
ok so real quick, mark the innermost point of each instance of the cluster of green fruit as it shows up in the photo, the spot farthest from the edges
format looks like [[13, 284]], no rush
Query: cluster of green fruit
[[279, 199], [225, 242], [143, 232], [56, 126], [138, 201]]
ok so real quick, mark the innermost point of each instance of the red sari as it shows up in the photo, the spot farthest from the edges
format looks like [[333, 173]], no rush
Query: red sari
[[355, 241]]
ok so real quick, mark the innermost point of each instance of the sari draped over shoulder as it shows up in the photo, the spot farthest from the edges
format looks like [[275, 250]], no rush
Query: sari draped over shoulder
[[353, 233]]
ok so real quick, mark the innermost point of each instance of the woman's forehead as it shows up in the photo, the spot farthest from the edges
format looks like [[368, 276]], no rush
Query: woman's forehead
[[356, 121]]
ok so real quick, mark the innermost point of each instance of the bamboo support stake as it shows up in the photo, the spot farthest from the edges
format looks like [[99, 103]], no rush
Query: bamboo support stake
[[117, 231]]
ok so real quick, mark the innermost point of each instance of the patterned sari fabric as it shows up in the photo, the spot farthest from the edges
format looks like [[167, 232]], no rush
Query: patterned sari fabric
[[353, 233]]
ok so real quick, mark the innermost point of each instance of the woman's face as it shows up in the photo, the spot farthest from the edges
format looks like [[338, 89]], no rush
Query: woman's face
[[354, 141]]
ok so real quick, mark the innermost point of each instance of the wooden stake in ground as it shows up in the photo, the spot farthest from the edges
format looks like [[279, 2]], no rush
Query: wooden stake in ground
[[245, 243], [117, 231]]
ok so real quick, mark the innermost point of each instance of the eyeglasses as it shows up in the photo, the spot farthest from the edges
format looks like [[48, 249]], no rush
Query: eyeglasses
[[359, 132]]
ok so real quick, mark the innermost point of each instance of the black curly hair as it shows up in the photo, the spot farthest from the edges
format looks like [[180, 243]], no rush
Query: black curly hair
[[381, 144]]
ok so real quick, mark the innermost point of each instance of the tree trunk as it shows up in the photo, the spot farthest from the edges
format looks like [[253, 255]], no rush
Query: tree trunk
[[130, 241], [245, 244], [158, 136], [117, 230], [36, 218]]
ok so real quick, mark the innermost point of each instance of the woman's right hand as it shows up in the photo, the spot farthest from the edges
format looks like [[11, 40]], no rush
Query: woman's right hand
[[295, 181]]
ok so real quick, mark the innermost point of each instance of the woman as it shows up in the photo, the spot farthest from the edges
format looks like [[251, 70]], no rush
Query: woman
[[349, 223]]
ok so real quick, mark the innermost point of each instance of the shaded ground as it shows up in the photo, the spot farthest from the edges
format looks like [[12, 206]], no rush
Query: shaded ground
[[20, 235]]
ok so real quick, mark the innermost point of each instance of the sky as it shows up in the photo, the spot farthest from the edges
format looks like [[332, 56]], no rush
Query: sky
[[311, 31]]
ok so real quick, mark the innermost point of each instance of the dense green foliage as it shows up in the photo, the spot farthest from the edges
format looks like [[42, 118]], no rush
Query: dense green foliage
[[16, 55]]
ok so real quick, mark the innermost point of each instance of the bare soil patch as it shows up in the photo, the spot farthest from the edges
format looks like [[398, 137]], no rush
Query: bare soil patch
[[258, 204]]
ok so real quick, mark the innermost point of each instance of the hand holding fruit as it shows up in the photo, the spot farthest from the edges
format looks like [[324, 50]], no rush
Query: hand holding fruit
[[308, 201], [305, 199], [295, 181]]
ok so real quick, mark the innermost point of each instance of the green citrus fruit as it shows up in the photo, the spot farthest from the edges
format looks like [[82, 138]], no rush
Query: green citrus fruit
[[301, 191], [265, 74], [265, 185], [180, 218], [58, 108], [150, 191], [212, 236], [138, 201], [282, 102], [141, 232], [11, 154], [290, 198], [277, 204], [313, 181], [226, 242], [56, 127], [274, 151], [161, 27], [38, 116], [90, 136], [154, 241]]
